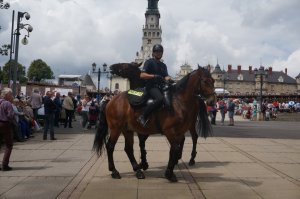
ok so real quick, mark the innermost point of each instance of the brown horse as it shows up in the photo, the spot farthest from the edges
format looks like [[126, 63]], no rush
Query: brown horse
[[132, 72], [120, 117]]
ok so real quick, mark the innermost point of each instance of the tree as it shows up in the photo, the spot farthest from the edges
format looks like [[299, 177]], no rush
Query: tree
[[4, 49], [21, 73], [4, 5], [39, 70]]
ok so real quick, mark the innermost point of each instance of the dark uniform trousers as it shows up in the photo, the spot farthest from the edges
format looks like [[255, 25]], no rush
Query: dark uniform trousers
[[158, 99], [6, 131]]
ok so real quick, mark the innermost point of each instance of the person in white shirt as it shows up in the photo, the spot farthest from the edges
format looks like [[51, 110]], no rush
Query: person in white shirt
[[86, 102]]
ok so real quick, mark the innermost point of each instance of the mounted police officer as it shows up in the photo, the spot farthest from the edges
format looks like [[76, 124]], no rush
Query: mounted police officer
[[154, 73]]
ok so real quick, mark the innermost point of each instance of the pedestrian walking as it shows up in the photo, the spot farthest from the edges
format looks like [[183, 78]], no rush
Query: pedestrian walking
[[50, 108], [6, 128], [58, 105], [36, 102], [223, 110], [68, 105], [231, 107]]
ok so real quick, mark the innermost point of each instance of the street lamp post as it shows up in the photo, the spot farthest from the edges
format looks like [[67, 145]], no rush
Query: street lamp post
[[110, 82], [99, 76], [20, 26], [261, 73]]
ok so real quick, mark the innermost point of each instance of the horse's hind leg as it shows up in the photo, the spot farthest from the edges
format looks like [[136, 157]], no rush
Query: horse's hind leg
[[110, 147], [173, 156], [129, 151], [142, 142], [181, 148], [194, 152]]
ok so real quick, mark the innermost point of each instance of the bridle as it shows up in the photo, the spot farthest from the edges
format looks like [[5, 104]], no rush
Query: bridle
[[198, 91]]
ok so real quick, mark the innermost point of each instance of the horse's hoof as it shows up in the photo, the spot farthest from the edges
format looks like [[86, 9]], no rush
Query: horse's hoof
[[139, 174], [170, 176], [115, 175], [192, 163], [144, 166], [179, 156]]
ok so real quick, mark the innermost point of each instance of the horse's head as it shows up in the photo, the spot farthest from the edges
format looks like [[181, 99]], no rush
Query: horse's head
[[130, 71], [126, 70], [205, 86]]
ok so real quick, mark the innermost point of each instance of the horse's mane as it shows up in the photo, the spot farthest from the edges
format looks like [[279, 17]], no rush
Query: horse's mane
[[181, 84], [203, 126]]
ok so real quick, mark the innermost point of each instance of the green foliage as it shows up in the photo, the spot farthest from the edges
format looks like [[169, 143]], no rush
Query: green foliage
[[20, 72], [39, 70], [4, 49]]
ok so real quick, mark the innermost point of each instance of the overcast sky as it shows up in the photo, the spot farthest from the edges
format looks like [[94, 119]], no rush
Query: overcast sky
[[69, 35]]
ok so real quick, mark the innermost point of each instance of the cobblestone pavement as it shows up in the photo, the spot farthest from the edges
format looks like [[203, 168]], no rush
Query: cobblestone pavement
[[227, 167]]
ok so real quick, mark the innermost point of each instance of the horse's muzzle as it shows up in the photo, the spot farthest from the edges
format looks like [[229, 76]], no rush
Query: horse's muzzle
[[211, 101]]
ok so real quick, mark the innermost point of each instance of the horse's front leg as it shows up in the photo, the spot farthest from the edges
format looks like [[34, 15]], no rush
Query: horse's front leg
[[173, 156], [129, 151], [194, 150], [110, 147], [142, 142]]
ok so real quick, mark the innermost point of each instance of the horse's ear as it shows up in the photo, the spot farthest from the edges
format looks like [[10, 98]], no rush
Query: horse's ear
[[136, 64]]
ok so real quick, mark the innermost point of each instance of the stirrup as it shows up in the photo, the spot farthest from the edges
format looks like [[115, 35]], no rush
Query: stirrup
[[141, 119]]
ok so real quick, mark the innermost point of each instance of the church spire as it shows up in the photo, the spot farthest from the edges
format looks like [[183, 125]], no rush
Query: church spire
[[151, 31], [152, 4], [152, 8]]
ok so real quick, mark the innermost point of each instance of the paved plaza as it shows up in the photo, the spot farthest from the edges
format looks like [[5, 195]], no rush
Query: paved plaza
[[238, 162]]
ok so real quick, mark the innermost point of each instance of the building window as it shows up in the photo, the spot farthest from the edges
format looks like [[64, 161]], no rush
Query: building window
[[280, 79], [116, 86], [240, 77], [158, 34], [145, 34]]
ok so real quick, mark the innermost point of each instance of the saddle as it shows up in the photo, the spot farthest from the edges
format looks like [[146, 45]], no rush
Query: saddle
[[138, 97]]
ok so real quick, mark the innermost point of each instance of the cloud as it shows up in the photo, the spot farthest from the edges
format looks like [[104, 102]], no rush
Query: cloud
[[69, 35], [292, 63]]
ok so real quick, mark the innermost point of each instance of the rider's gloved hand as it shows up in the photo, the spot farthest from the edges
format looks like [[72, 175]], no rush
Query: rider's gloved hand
[[158, 78], [171, 81]]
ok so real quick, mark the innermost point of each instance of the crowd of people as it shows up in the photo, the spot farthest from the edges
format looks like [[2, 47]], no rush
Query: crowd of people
[[249, 110], [22, 116]]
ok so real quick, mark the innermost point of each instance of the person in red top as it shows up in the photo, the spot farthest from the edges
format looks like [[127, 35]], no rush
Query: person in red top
[[275, 106], [6, 129]]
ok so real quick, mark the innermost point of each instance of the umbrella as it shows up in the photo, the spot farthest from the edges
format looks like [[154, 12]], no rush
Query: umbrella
[[291, 103]]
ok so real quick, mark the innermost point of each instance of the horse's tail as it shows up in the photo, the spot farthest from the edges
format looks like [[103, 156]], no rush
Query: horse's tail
[[102, 131], [203, 126]]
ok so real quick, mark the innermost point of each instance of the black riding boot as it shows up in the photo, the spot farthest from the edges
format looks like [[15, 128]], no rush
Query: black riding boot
[[143, 118], [167, 96]]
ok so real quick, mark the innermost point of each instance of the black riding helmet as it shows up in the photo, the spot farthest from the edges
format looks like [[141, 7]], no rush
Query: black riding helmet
[[158, 48]]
